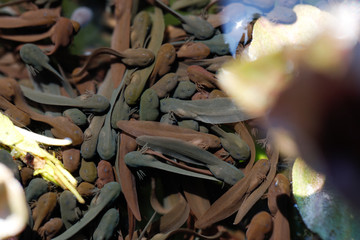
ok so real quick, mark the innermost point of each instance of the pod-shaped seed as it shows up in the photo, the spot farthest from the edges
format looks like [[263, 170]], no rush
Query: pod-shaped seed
[[88, 171], [260, 225], [44, 207], [149, 105], [184, 90], [165, 85], [193, 50], [107, 224], [35, 189]]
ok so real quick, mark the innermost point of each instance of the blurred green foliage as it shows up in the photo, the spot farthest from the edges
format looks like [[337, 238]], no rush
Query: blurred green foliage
[[93, 35]]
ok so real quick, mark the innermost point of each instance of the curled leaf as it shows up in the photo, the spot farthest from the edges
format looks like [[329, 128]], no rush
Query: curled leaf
[[172, 220]]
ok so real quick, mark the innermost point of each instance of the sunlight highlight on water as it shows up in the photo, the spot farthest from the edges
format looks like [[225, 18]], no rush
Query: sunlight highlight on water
[[237, 15]]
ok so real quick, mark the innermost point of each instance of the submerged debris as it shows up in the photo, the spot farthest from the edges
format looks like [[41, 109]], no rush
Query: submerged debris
[[138, 98]]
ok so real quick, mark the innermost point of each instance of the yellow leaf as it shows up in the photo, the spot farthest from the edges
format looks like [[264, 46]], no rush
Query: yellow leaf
[[8, 133], [44, 163]]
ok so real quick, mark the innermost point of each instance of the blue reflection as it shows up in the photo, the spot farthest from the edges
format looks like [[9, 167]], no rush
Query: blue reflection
[[238, 14], [236, 18]]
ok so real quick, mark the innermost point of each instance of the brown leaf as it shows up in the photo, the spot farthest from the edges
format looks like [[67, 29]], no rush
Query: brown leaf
[[121, 36], [31, 18], [126, 178], [196, 196], [155, 204], [241, 129], [172, 220], [231, 200], [257, 193]]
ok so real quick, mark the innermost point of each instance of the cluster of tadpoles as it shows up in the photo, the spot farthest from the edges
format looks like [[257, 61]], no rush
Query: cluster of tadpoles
[[158, 109]]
